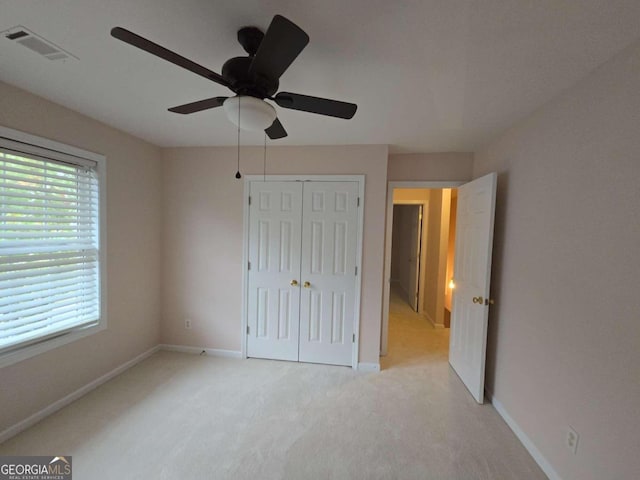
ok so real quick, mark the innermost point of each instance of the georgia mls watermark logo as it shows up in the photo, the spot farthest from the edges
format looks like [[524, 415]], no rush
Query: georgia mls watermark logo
[[35, 468]]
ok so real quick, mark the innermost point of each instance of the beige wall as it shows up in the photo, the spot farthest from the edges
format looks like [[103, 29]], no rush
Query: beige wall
[[430, 167], [133, 258], [564, 336], [436, 257], [451, 249], [203, 241], [411, 195], [445, 221]]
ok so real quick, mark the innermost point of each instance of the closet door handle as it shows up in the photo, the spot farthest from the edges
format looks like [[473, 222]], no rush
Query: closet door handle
[[294, 283], [306, 285]]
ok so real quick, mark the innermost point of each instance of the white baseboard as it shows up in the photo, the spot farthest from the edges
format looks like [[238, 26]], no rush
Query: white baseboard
[[214, 352], [368, 367], [432, 322], [64, 401], [405, 292], [542, 462]]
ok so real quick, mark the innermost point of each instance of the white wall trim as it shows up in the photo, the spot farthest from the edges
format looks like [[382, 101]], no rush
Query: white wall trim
[[542, 462], [213, 352], [66, 400], [368, 367], [432, 322], [407, 295], [361, 179], [245, 262], [384, 328]]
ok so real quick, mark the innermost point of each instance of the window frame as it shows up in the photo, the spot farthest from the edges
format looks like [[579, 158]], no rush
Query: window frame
[[68, 151]]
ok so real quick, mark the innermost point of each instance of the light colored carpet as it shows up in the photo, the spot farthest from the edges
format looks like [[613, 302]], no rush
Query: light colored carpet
[[191, 417]]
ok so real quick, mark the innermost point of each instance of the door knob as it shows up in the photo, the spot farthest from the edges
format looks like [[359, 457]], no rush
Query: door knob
[[294, 283], [479, 300], [306, 285]]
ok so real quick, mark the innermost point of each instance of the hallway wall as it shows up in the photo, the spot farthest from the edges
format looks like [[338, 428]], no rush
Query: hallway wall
[[451, 249], [437, 245]]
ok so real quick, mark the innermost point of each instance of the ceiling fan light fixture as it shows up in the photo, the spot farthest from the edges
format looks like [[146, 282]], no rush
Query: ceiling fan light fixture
[[255, 114], [252, 78]]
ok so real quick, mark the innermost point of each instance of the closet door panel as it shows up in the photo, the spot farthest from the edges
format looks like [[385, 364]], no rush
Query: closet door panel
[[275, 216], [328, 262]]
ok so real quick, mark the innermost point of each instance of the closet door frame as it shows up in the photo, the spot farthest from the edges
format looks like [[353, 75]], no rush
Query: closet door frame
[[360, 179]]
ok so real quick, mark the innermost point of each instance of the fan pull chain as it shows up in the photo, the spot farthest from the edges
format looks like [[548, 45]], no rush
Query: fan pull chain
[[264, 161], [238, 174]]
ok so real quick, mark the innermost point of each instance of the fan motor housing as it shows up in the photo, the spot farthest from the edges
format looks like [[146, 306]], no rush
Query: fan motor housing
[[236, 72], [250, 38]]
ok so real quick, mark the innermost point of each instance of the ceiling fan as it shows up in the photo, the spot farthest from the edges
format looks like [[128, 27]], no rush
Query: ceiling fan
[[253, 78]]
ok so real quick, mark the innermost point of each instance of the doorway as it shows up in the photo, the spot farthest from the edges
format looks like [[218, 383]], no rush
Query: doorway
[[406, 253], [420, 244], [470, 294]]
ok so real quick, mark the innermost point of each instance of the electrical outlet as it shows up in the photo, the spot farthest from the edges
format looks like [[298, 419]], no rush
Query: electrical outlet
[[571, 440], [187, 324]]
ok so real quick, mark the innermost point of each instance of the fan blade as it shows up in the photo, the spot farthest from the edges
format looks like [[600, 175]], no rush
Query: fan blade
[[276, 130], [280, 46], [322, 106], [155, 49], [199, 106]]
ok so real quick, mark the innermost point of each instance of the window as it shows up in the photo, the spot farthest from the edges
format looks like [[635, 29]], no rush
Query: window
[[50, 244]]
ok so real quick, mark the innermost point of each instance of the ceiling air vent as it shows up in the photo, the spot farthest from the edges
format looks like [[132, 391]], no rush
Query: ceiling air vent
[[36, 43]]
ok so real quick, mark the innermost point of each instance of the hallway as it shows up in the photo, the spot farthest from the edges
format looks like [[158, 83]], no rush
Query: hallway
[[412, 339]]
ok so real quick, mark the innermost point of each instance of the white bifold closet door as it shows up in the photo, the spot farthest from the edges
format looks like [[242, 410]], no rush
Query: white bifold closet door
[[302, 276], [275, 230]]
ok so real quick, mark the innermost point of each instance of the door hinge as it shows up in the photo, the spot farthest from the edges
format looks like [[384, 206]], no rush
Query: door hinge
[[249, 199], [249, 266], [353, 338], [248, 330], [358, 202], [356, 270]]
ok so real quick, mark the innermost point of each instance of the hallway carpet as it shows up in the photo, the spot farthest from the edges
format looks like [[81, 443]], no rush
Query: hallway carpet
[[197, 417]]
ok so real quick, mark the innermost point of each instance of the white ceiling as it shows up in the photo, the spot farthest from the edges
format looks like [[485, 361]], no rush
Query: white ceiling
[[427, 75]]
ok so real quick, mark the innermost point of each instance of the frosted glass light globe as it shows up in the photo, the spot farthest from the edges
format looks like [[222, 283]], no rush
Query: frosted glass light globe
[[255, 114]]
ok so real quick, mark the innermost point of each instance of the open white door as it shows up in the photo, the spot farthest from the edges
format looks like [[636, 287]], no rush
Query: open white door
[[472, 274]]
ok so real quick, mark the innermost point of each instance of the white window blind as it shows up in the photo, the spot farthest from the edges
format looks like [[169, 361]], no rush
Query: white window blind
[[49, 244]]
